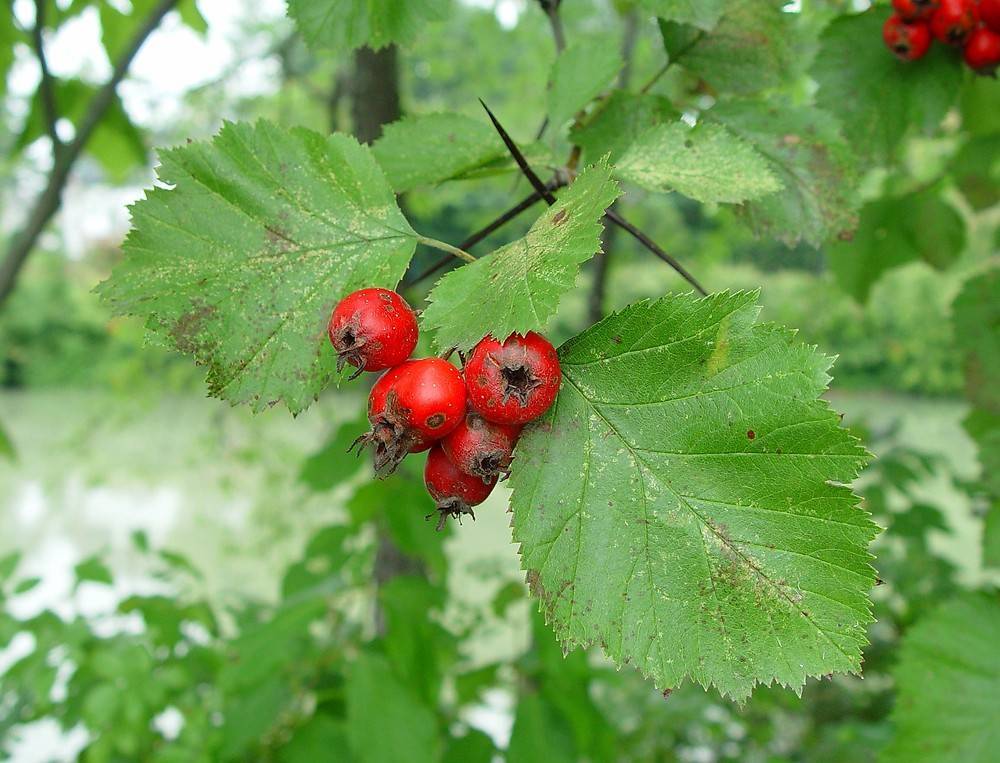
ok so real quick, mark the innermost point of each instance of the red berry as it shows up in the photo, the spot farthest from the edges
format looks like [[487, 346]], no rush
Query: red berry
[[989, 12], [982, 51], [514, 382], [410, 407], [954, 20], [454, 491], [914, 10], [481, 448], [372, 329], [909, 41]]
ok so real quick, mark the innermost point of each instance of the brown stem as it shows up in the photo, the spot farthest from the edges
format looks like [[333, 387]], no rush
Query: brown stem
[[48, 201], [46, 86]]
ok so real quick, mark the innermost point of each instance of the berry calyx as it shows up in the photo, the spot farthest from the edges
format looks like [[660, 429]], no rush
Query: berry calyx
[[454, 491], [954, 20], [908, 41], [515, 381], [410, 407], [482, 448], [914, 10], [989, 12], [372, 329], [982, 51]]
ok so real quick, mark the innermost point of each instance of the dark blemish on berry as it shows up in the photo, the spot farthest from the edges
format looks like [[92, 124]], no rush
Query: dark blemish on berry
[[751, 434], [385, 297], [435, 421], [560, 217]]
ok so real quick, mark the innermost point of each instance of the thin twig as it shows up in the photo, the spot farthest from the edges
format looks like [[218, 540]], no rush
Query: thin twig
[[443, 246], [536, 182], [46, 87], [551, 8], [48, 201]]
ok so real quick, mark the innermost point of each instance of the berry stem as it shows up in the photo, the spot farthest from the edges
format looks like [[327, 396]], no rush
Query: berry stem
[[453, 250]]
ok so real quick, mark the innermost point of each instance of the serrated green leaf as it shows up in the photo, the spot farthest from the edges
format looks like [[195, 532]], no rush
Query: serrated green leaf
[[892, 232], [948, 681], [876, 97], [703, 14], [619, 123], [519, 286], [706, 162], [683, 503], [753, 47], [240, 263], [433, 148], [807, 154], [579, 74], [340, 25]]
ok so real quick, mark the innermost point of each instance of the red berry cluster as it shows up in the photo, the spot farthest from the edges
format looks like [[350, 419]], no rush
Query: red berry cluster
[[973, 25], [469, 420]]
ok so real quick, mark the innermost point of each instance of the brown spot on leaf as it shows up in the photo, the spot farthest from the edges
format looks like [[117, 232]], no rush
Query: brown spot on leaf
[[751, 434], [560, 217]]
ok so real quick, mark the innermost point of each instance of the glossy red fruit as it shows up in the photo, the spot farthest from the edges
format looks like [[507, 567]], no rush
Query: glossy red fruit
[[410, 407], [454, 491], [482, 448], [372, 329], [914, 10], [982, 51], [909, 41], [989, 13], [954, 20], [515, 381]]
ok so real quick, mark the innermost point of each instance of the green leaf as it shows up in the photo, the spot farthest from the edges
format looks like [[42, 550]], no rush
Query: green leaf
[[703, 14], [519, 286], [539, 734], [322, 737], [8, 564], [433, 148], [876, 97], [9, 36], [92, 569], [753, 47], [474, 747], [948, 681], [386, 722], [694, 520], [26, 585], [976, 170], [7, 449], [809, 157], [892, 232], [619, 123], [579, 74], [344, 24], [978, 105], [331, 465], [706, 162], [976, 312], [240, 262]]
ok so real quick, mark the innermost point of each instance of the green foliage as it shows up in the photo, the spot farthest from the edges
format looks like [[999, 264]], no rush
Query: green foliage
[[701, 502], [706, 162], [618, 123], [518, 287], [580, 73], [949, 678], [340, 25], [704, 14]]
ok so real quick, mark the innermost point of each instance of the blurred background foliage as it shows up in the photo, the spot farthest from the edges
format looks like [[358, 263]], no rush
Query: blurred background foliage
[[182, 581]]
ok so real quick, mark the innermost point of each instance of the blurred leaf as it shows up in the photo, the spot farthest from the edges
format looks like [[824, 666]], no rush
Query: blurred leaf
[[240, 263], [978, 104], [619, 122], [432, 148], [340, 25], [810, 159], [251, 715], [580, 74], [9, 37], [321, 738], [707, 163], [976, 169], [976, 312], [519, 287], [140, 540], [753, 47], [180, 563], [948, 680], [332, 464], [893, 232], [539, 734], [703, 14], [92, 569], [916, 521], [697, 524], [325, 559], [470, 684], [8, 564], [508, 594], [165, 617], [876, 97], [7, 450], [473, 747], [386, 722], [26, 585]]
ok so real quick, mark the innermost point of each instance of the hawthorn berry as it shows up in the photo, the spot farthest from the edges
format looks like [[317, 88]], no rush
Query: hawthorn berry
[[914, 10], [909, 41], [515, 381], [953, 21], [410, 407], [982, 51], [481, 448], [454, 491], [372, 329], [989, 12]]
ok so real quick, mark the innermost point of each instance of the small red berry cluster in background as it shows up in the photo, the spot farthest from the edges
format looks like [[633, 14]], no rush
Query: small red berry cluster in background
[[972, 25], [469, 420]]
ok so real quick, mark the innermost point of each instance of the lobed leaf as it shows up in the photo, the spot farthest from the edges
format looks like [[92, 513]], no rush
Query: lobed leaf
[[706, 162], [519, 286], [684, 503], [345, 24], [240, 263]]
